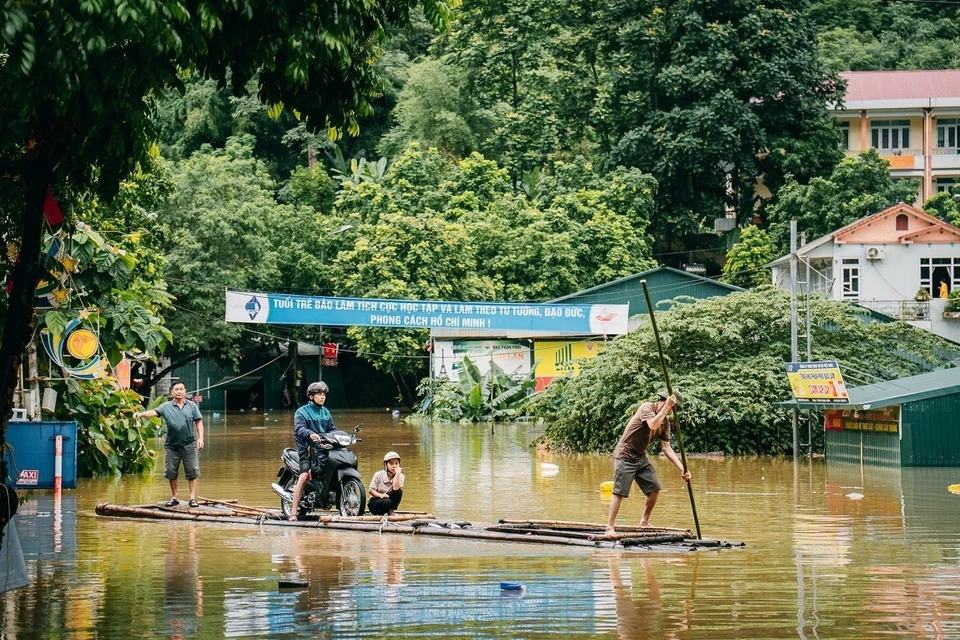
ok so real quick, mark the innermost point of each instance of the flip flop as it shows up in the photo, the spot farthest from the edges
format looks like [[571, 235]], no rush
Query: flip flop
[[292, 519]]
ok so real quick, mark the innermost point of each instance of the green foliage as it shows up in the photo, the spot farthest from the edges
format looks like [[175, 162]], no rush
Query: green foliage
[[858, 186], [109, 441], [434, 110], [943, 206], [222, 209], [953, 301], [726, 356], [703, 96], [123, 305], [490, 397], [311, 187], [871, 35], [746, 259]]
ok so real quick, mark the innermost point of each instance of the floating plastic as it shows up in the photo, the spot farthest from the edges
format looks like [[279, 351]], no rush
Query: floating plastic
[[512, 586], [395, 413], [606, 487], [855, 496], [215, 415], [954, 488], [546, 466]]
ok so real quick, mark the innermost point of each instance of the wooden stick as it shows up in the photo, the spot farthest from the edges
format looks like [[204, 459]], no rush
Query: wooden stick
[[583, 526], [673, 414]]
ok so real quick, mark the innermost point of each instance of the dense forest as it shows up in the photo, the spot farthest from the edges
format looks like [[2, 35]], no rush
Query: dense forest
[[515, 151]]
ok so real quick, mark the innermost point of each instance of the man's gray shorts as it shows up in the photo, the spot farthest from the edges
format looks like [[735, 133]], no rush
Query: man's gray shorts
[[625, 472], [191, 462]]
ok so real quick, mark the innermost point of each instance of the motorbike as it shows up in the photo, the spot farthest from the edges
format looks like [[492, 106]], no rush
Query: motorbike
[[340, 484]]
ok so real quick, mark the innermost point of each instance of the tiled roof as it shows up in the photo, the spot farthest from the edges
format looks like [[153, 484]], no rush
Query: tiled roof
[[901, 85]]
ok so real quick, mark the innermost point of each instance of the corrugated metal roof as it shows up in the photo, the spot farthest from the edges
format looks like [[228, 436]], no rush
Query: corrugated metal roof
[[901, 85], [900, 391]]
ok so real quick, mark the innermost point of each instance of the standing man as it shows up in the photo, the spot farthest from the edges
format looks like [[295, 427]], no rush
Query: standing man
[[630, 457], [309, 422], [184, 440]]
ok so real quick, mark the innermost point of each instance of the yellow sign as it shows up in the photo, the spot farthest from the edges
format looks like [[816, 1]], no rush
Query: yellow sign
[[560, 358], [82, 344], [817, 382]]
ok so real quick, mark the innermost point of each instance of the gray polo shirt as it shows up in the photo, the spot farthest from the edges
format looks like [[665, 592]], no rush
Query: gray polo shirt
[[180, 422]]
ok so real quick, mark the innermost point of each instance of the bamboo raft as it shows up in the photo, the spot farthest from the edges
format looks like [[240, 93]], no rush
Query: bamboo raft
[[543, 532]]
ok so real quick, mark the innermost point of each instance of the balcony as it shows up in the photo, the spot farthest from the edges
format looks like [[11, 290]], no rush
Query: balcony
[[945, 158], [909, 310]]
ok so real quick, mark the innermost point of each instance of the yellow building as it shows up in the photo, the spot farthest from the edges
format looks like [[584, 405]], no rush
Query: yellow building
[[912, 118]]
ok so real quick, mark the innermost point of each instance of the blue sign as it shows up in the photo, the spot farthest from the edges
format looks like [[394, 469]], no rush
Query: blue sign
[[276, 308]]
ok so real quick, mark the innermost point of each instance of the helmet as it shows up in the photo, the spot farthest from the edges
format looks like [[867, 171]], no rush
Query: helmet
[[664, 394], [391, 455], [317, 387]]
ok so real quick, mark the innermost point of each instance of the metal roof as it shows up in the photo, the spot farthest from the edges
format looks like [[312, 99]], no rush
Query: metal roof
[[901, 85], [934, 384]]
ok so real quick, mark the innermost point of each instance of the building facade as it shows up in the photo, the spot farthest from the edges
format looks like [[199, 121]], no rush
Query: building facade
[[899, 262], [912, 118]]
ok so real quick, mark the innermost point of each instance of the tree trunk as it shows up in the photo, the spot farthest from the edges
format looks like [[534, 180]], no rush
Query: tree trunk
[[19, 324]]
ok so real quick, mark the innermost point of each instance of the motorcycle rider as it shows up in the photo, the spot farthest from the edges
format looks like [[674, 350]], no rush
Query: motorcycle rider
[[309, 422]]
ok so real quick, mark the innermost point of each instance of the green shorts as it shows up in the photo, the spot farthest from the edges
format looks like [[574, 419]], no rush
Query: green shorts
[[625, 472], [188, 456]]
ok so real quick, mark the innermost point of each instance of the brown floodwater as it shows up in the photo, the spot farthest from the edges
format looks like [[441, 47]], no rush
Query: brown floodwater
[[832, 551]]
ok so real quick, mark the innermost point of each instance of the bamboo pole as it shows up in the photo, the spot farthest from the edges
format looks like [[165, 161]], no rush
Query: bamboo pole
[[673, 414], [584, 526]]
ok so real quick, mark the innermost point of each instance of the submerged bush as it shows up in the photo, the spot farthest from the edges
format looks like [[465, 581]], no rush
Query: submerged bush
[[726, 355]]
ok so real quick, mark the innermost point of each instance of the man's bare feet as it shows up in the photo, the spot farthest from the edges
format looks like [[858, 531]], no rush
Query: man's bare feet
[[646, 525], [292, 519], [611, 531]]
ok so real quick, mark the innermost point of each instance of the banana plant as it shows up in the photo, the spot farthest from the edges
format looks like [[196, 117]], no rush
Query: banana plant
[[490, 397]]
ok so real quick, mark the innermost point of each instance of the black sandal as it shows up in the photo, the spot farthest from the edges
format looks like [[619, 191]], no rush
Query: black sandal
[[172, 502], [193, 503]]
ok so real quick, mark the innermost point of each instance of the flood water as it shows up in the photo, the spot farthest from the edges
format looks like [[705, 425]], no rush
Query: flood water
[[820, 562]]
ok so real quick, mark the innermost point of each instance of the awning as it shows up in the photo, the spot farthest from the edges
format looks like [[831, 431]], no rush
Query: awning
[[236, 383]]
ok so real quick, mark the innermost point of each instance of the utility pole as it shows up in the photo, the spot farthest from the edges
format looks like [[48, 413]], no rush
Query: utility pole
[[794, 350]]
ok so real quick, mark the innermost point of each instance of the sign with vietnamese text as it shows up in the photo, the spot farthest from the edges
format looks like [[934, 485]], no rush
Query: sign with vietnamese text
[[512, 356], [275, 308], [817, 382], [885, 420]]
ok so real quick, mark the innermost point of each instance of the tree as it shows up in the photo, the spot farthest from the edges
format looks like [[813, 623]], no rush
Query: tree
[[726, 355], [76, 84], [700, 93], [944, 205], [746, 259], [858, 186]]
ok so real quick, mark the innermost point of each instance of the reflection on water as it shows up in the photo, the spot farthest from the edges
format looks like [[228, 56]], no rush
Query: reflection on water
[[833, 550]]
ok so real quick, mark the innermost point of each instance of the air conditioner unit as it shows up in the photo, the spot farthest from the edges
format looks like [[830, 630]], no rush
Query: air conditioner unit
[[721, 225], [875, 253]]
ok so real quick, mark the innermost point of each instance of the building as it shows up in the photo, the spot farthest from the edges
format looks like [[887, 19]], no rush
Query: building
[[909, 422], [912, 118], [882, 262], [550, 356]]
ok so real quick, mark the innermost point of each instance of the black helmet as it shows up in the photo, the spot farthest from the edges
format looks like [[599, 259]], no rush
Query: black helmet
[[317, 387]]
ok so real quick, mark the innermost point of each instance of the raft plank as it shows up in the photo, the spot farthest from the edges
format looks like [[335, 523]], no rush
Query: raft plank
[[424, 524]]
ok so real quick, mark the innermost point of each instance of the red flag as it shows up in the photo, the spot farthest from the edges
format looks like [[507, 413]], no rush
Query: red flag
[[51, 210]]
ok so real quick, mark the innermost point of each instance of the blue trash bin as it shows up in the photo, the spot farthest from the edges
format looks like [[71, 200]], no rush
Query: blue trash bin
[[30, 454]]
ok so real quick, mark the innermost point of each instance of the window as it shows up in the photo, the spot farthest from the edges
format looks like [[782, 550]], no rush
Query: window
[[933, 271], [851, 279], [948, 136], [890, 135], [903, 223], [946, 184], [845, 132]]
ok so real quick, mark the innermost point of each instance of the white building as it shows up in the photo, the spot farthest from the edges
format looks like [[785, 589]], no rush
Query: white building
[[881, 261]]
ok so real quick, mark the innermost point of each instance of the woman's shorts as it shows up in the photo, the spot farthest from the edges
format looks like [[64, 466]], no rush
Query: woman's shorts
[[625, 472]]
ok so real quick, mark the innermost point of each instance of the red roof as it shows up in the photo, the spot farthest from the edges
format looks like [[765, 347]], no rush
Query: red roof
[[901, 85]]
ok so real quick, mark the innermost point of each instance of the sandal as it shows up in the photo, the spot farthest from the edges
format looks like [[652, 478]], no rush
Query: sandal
[[292, 519], [172, 502], [193, 503]]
